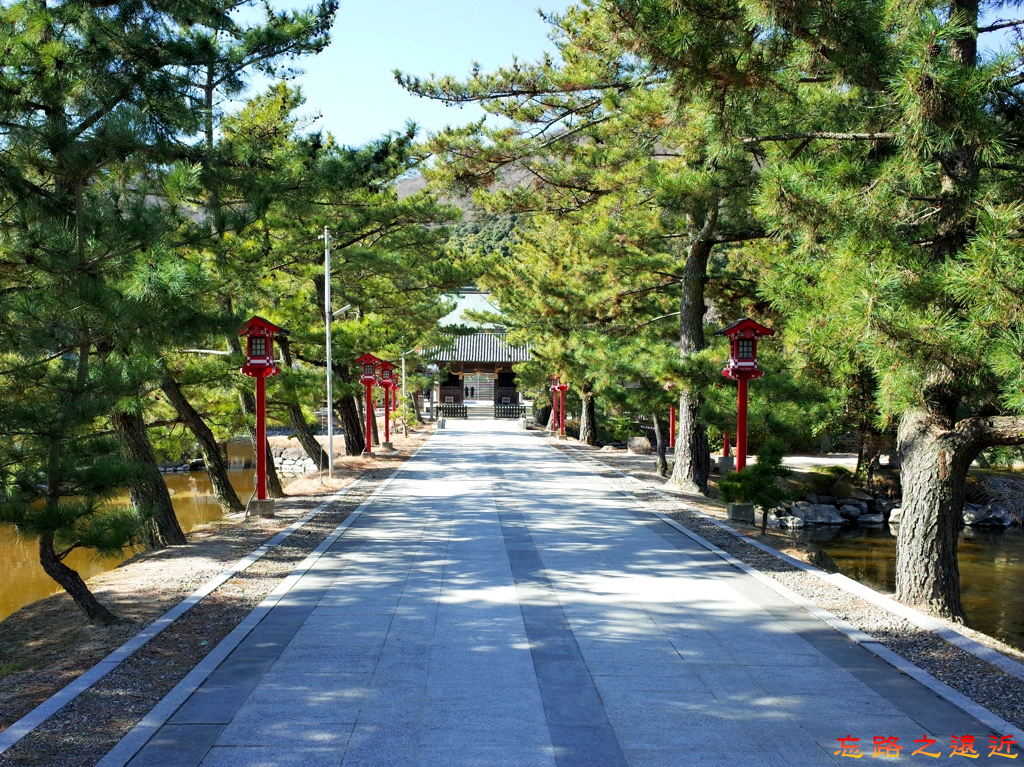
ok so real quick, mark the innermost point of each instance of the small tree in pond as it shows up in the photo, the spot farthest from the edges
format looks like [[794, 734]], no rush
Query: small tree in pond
[[757, 484], [59, 477]]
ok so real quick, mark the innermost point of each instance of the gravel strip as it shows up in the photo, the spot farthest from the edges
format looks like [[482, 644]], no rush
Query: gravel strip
[[980, 681], [84, 730]]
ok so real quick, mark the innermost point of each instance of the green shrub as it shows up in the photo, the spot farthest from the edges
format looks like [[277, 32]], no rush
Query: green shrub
[[757, 484]]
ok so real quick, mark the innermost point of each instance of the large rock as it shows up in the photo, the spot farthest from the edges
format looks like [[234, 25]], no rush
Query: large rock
[[639, 446], [870, 519], [828, 500], [973, 516], [862, 505], [849, 512], [989, 516], [844, 488], [817, 514], [609, 449], [791, 522], [880, 506], [895, 514], [773, 519]]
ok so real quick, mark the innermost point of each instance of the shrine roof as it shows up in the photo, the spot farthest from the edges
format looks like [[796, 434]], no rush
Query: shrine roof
[[479, 347]]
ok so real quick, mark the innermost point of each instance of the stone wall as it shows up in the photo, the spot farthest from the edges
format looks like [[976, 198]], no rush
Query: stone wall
[[292, 461]]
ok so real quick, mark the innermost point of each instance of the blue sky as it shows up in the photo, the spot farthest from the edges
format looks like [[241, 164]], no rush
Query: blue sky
[[351, 83]]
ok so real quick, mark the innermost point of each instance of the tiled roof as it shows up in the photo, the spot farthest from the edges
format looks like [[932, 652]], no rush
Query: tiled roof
[[479, 347]]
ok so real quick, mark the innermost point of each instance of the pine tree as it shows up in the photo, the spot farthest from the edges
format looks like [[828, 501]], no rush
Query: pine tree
[[597, 136], [886, 150], [97, 104]]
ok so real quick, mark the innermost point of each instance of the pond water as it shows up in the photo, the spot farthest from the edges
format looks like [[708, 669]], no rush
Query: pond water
[[22, 580], [991, 571]]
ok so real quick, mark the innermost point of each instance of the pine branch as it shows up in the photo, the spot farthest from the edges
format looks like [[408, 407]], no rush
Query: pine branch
[[981, 432], [831, 135], [1000, 25]]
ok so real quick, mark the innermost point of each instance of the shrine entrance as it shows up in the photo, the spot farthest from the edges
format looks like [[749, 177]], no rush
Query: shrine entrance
[[480, 386], [479, 373]]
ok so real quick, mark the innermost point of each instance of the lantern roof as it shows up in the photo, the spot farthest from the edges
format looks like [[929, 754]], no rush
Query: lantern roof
[[385, 365], [258, 323], [747, 325], [369, 359]]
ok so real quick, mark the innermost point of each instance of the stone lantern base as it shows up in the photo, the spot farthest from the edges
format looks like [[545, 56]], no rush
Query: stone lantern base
[[261, 508]]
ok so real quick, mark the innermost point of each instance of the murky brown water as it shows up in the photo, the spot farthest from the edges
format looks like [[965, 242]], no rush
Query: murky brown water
[[991, 572], [22, 580]]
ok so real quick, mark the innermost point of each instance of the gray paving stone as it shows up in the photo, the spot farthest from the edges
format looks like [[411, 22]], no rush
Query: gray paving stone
[[178, 746], [215, 705], [508, 755], [331, 735], [263, 645], [277, 756], [334, 711]]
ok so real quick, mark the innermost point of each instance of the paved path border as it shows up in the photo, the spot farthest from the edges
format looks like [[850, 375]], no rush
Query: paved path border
[[67, 694], [979, 712], [139, 735]]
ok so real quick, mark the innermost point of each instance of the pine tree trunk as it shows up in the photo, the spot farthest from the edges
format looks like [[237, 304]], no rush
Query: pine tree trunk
[[661, 445], [306, 437], [351, 425], [274, 488], [302, 432], [151, 492], [936, 455], [72, 583], [933, 474], [693, 461], [216, 462], [693, 458], [551, 417], [588, 417]]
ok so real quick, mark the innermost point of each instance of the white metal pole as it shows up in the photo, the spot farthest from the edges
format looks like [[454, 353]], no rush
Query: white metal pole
[[328, 316]]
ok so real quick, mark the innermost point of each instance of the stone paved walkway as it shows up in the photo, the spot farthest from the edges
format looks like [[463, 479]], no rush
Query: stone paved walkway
[[501, 605]]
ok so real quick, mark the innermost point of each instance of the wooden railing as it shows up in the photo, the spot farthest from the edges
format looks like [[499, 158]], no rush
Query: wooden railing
[[452, 411], [509, 411]]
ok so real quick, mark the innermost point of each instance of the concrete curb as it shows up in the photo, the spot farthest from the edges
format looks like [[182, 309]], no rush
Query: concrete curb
[[872, 645], [140, 734], [63, 697]]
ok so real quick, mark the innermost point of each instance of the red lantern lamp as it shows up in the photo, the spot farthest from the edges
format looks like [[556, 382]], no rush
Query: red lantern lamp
[[743, 335], [387, 381], [368, 378], [259, 350], [260, 364], [742, 367]]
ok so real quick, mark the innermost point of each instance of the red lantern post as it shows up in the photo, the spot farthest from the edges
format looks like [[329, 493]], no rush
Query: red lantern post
[[387, 382], [260, 364], [671, 418], [742, 367], [554, 402], [368, 379], [562, 389]]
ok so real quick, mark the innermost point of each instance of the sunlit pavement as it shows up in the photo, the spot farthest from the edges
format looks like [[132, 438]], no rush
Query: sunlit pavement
[[501, 605]]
